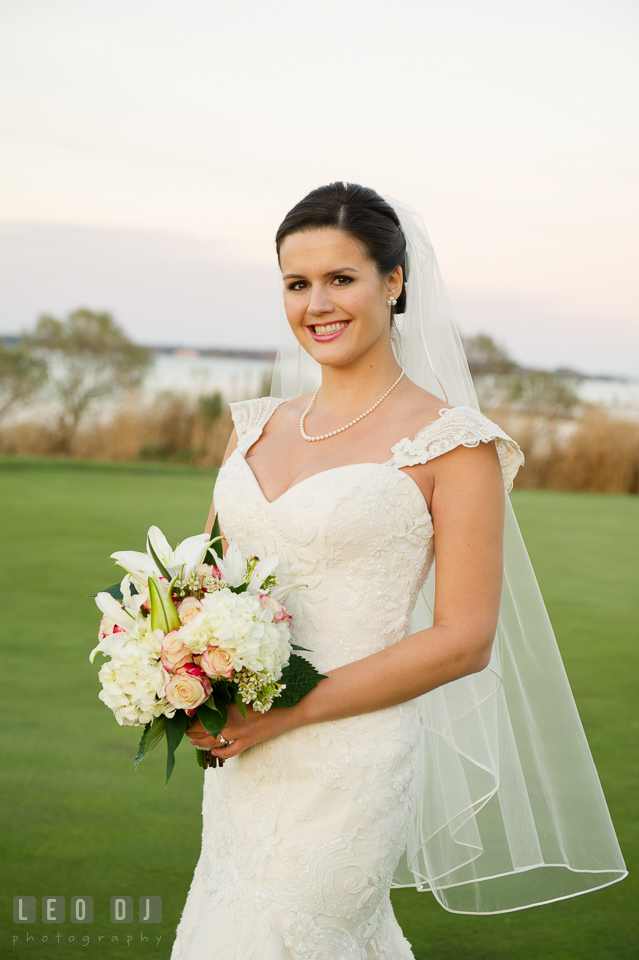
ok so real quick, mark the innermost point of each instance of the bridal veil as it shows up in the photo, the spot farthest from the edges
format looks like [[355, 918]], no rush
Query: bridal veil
[[511, 812]]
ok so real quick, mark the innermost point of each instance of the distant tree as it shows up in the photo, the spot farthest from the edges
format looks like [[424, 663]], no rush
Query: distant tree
[[211, 406], [499, 380], [541, 392], [22, 374], [89, 358], [485, 356]]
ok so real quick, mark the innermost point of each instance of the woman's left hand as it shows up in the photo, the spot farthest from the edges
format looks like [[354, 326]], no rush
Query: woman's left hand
[[242, 733]]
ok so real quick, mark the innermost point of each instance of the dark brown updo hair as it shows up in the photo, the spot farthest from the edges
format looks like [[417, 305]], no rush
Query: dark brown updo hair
[[362, 214]]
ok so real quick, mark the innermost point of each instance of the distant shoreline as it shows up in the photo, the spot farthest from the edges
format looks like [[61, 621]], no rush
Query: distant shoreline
[[227, 354], [269, 356]]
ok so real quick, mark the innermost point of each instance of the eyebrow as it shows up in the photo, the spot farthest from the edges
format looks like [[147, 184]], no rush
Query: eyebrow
[[331, 273]]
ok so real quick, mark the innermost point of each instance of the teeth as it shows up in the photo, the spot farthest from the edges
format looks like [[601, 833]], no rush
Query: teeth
[[330, 327]]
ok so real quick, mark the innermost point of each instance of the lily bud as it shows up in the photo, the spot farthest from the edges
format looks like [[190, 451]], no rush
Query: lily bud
[[164, 616]]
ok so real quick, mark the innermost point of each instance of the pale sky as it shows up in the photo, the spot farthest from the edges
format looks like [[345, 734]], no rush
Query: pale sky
[[149, 150]]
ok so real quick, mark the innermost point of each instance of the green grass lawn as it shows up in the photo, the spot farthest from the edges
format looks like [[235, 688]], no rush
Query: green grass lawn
[[77, 821]]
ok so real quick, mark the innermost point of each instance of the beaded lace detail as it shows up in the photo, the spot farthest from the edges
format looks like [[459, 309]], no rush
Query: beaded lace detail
[[250, 416], [459, 426]]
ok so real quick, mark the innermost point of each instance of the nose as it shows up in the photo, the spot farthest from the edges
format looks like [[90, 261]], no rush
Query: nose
[[320, 303]]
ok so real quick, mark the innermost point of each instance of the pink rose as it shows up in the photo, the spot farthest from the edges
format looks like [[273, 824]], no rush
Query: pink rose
[[174, 654], [217, 662], [187, 689], [280, 613], [208, 570], [188, 609], [107, 627]]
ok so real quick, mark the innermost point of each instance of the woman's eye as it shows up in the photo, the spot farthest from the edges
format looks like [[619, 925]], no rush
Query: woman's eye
[[298, 285], [342, 281]]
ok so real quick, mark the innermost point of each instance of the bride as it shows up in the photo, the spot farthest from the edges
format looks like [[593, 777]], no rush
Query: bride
[[443, 749]]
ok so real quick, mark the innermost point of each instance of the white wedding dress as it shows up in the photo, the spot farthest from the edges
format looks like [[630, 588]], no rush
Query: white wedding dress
[[302, 834]]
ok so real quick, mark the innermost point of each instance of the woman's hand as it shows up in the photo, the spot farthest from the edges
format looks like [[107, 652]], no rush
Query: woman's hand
[[242, 733]]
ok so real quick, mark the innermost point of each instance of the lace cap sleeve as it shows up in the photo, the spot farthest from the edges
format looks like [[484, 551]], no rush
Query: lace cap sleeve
[[249, 417], [459, 426]]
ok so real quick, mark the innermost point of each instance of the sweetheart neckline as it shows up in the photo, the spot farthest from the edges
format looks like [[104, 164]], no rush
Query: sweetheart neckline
[[441, 413], [320, 473]]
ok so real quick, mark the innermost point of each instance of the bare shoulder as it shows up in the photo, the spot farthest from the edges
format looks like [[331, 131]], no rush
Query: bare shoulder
[[417, 407], [288, 413]]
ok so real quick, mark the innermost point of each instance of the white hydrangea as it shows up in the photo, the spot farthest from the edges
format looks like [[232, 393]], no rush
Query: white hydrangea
[[239, 624], [133, 684]]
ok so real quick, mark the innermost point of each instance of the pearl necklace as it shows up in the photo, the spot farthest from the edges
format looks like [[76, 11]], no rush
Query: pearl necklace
[[325, 436]]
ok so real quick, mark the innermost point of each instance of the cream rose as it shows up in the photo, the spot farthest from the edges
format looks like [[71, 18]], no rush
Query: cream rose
[[217, 662], [174, 653], [280, 613], [188, 609], [186, 691]]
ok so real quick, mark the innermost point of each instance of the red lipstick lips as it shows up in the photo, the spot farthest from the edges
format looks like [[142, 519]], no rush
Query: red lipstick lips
[[333, 330]]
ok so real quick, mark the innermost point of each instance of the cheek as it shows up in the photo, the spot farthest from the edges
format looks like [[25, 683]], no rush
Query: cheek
[[295, 309], [364, 304]]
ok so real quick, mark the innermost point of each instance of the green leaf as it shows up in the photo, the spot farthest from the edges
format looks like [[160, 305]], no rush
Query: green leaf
[[141, 747], [153, 733], [158, 562], [114, 591], [175, 727], [296, 646], [241, 589], [300, 678], [212, 720], [216, 534], [164, 616], [211, 704], [223, 691], [242, 706]]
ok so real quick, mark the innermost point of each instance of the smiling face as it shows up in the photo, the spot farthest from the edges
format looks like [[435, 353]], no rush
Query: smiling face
[[336, 302]]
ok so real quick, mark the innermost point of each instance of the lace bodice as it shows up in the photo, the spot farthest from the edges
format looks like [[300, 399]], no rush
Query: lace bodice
[[360, 536], [303, 833]]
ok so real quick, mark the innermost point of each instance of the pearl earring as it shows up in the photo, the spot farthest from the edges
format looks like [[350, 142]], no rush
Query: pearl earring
[[391, 301]]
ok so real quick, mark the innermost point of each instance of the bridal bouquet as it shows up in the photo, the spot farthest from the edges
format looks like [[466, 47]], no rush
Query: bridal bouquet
[[188, 632]]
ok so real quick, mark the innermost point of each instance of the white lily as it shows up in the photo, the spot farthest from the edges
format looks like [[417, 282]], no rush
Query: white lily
[[280, 592], [112, 608], [138, 565], [133, 601], [182, 561], [233, 566], [263, 569]]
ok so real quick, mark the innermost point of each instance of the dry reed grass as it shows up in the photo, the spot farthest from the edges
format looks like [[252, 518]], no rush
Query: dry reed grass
[[172, 427], [594, 452]]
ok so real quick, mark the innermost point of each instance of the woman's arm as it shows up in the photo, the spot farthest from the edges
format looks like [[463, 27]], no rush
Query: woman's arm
[[467, 508], [230, 447]]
